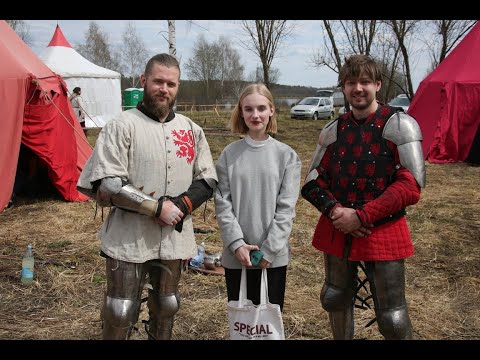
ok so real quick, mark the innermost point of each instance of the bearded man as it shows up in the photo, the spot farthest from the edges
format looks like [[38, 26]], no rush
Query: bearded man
[[153, 167]]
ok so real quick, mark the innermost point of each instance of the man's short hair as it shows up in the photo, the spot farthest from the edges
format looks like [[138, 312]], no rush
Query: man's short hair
[[162, 59]]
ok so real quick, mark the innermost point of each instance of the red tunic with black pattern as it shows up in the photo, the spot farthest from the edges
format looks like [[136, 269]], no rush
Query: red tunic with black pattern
[[362, 170]]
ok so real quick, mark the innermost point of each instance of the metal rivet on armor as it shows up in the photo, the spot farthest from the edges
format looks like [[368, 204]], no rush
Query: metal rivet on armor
[[168, 137], [169, 166], [169, 151], [369, 152]]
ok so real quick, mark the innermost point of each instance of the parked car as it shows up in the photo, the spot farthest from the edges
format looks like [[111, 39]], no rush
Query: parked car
[[325, 94], [401, 101], [313, 108]]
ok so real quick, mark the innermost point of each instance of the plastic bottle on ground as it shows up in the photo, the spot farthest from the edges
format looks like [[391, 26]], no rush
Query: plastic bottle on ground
[[28, 264], [197, 260]]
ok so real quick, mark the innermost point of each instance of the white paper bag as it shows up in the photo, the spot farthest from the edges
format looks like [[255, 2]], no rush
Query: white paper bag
[[255, 322]]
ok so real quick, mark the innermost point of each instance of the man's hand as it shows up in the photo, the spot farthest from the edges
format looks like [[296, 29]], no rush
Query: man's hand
[[346, 220], [170, 214]]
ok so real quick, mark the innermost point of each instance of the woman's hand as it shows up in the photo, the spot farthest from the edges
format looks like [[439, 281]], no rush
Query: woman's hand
[[243, 254]]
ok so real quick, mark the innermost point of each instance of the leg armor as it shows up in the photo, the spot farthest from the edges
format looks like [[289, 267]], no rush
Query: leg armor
[[163, 299], [123, 298], [387, 283], [337, 296]]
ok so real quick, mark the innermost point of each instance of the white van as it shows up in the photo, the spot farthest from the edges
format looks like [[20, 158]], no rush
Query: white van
[[336, 96], [325, 93], [338, 99]]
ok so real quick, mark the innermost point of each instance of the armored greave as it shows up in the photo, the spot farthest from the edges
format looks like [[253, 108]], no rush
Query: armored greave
[[337, 296], [387, 284], [163, 300], [122, 302]]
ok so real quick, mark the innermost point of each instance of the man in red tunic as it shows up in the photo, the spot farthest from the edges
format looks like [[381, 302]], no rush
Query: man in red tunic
[[367, 168]]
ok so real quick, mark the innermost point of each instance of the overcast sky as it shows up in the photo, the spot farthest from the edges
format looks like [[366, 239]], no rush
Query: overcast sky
[[293, 59]]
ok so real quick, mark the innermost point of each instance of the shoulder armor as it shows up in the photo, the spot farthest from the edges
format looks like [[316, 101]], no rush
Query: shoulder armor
[[403, 131], [327, 136]]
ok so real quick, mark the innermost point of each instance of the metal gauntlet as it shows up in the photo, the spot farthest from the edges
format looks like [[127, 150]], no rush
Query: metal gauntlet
[[127, 197]]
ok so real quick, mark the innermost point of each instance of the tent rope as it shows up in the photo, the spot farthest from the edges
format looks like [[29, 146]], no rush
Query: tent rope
[[81, 107], [47, 96], [33, 93]]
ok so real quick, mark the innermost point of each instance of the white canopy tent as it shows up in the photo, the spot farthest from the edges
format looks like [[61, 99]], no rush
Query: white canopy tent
[[101, 90]]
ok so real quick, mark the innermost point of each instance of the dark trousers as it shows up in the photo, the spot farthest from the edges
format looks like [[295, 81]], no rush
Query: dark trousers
[[277, 278]]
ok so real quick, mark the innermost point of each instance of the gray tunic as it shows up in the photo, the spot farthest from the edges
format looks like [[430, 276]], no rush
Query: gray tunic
[[163, 159]]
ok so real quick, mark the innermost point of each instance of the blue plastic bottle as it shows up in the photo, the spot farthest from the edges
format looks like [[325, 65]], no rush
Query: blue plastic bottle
[[28, 263], [197, 260]]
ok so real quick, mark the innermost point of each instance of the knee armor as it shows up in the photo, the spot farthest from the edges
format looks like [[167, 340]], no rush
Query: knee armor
[[394, 324], [334, 298], [164, 305], [119, 317]]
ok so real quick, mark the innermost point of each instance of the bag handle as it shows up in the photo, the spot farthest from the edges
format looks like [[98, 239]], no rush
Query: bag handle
[[242, 296], [264, 299]]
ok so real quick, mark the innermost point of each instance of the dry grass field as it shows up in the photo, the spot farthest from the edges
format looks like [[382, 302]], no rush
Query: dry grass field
[[443, 277]]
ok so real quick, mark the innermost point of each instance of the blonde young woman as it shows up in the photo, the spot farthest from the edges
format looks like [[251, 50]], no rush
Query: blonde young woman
[[258, 187]]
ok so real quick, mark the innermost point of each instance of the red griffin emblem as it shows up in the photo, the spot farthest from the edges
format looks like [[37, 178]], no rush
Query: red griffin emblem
[[184, 140]]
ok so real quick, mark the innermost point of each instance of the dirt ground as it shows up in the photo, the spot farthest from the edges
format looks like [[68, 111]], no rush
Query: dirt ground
[[64, 302]]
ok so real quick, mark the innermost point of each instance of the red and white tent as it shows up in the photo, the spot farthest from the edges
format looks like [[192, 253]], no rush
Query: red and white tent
[[36, 112], [101, 88], [447, 104]]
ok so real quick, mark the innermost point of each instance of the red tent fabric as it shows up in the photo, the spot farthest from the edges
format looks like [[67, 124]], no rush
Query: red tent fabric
[[36, 111], [447, 103]]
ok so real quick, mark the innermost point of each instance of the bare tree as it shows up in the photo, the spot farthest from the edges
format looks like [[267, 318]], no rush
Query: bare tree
[[257, 75], [22, 29], [98, 50], [387, 52], [134, 54], [403, 31], [266, 36], [231, 69], [447, 33], [386, 41], [204, 64], [216, 62], [344, 38]]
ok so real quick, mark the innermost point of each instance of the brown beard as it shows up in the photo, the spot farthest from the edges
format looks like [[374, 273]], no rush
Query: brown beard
[[159, 110]]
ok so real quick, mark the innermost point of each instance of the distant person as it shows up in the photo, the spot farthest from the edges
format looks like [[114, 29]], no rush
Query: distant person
[[78, 105], [367, 168], [258, 187], [153, 167]]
